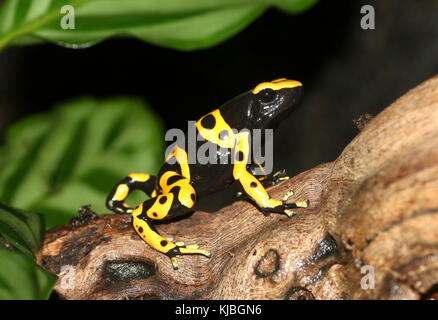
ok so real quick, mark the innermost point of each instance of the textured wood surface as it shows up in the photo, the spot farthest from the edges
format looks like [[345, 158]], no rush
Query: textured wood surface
[[374, 208]]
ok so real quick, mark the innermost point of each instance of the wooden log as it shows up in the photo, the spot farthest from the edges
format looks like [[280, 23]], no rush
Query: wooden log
[[371, 231]]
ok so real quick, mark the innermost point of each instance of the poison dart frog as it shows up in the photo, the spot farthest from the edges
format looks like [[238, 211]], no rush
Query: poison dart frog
[[180, 183]]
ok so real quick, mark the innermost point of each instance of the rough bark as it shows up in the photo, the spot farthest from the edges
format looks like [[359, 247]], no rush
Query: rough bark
[[374, 209]]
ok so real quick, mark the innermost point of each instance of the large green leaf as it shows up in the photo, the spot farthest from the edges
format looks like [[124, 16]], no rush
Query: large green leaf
[[21, 230], [178, 24], [294, 6], [56, 162], [22, 279]]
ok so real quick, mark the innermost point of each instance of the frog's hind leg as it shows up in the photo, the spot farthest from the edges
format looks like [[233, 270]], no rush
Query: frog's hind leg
[[176, 202], [134, 181]]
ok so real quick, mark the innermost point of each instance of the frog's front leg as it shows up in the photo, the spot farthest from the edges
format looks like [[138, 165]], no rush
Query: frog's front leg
[[253, 187], [178, 201]]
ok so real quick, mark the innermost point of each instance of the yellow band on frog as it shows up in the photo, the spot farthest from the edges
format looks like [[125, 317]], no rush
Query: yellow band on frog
[[277, 85]]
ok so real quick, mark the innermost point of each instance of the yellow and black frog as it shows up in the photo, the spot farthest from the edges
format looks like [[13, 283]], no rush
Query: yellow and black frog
[[180, 182]]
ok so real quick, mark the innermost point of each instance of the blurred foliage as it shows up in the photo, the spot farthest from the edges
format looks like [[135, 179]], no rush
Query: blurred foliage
[[177, 24], [22, 279], [58, 161], [55, 163], [20, 230], [21, 235]]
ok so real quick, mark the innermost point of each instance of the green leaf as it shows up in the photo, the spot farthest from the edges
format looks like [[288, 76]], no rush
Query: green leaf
[[295, 6], [177, 24], [22, 279], [56, 162], [21, 230]]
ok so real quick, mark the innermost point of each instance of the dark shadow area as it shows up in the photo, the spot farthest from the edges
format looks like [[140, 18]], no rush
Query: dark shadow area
[[346, 72]]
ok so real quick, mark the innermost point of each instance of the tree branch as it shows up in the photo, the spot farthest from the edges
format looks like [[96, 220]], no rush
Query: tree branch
[[373, 209]]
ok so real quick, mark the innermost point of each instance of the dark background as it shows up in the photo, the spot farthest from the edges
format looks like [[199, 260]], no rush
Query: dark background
[[346, 72]]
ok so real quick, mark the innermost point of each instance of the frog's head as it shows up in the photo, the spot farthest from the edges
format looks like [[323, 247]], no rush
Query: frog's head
[[265, 106]]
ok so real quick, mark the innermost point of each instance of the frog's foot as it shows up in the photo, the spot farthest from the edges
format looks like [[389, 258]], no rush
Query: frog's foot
[[278, 175], [181, 249], [286, 208], [288, 195], [119, 207], [177, 243], [276, 178]]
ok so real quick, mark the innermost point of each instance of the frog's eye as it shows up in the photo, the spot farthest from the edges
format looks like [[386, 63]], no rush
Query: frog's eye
[[267, 95]]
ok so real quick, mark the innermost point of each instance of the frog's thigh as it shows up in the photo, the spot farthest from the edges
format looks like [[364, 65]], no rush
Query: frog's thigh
[[178, 201]]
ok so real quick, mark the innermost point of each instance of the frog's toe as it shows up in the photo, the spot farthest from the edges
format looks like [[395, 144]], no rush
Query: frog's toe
[[192, 246], [286, 208], [174, 262], [303, 204], [288, 195], [192, 250], [189, 249], [299, 204]]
